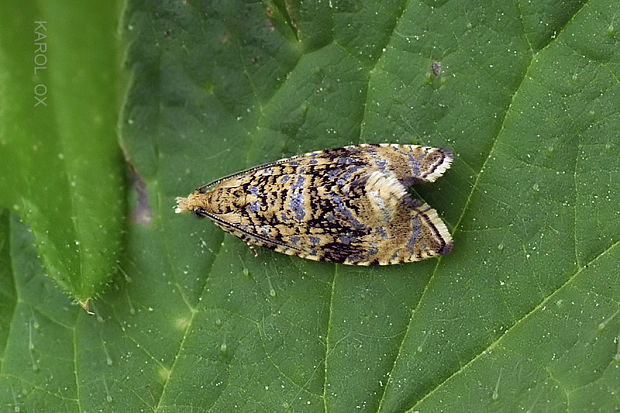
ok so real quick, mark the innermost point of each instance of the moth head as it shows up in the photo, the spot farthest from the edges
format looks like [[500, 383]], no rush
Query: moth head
[[193, 203]]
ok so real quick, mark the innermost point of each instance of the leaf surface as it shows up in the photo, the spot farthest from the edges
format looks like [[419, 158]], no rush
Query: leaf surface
[[521, 315]]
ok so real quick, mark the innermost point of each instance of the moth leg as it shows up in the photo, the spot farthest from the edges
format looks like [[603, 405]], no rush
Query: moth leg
[[251, 247]]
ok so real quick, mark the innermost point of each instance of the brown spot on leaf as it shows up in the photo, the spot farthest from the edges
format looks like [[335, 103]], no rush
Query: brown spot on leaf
[[142, 213]]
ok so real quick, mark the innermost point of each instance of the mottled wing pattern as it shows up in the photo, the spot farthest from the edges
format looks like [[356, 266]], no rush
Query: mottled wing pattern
[[347, 205]]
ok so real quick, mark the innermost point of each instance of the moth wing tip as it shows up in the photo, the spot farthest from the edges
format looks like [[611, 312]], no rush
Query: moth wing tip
[[441, 166], [449, 158], [443, 234], [445, 249]]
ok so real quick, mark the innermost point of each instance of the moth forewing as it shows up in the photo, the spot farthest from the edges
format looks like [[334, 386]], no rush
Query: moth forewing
[[347, 205]]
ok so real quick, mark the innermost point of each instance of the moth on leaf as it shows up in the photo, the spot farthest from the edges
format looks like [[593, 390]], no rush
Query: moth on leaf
[[346, 205]]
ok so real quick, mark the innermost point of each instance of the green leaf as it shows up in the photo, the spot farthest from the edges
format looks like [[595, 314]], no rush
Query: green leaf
[[61, 168], [523, 314]]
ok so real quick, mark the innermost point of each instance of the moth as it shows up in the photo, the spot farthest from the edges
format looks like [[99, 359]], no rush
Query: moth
[[347, 205]]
